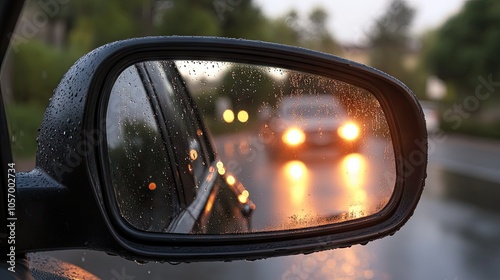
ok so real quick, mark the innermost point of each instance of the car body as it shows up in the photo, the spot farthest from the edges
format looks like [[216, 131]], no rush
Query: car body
[[310, 122], [132, 127]]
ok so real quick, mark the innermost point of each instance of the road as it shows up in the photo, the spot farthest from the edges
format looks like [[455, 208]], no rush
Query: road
[[454, 233], [312, 188]]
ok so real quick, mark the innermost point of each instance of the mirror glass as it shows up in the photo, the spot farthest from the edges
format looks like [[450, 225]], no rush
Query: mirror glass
[[212, 147]]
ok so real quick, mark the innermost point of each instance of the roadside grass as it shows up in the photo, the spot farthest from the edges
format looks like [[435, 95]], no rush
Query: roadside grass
[[24, 121]]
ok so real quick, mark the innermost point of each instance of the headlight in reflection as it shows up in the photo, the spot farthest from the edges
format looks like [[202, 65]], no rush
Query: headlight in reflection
[[243, 116], [349, 131], [228, 116], [294, 137]]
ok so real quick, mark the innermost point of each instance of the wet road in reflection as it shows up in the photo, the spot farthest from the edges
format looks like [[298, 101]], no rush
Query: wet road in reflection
[[453, 234], [317, 187]]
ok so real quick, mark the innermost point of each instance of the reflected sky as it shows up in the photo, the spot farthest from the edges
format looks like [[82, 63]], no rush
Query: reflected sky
[[327, 136]]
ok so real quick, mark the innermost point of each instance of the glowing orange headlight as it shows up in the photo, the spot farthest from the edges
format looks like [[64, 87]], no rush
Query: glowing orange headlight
[[294, 137], [349, 131], [228, 116]]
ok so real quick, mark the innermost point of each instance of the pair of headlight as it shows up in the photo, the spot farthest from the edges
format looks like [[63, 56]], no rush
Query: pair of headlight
[[296, 136]]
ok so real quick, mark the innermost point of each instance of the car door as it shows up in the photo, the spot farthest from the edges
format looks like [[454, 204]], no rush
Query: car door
[[212, 202], [140, 165]]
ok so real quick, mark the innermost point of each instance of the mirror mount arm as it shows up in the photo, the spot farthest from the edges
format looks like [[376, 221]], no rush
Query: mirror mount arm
[[54, 216]]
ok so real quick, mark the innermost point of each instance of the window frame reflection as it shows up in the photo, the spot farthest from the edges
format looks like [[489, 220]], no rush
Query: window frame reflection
[[129, 98], [194, 172]]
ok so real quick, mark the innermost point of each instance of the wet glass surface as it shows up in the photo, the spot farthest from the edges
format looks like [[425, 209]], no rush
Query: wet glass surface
[[300, 150], [139, 164]]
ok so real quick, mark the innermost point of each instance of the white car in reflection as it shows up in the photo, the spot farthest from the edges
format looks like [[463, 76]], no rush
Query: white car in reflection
[[309, 122]]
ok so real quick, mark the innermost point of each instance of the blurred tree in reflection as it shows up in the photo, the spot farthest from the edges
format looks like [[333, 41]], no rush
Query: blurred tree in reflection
[[248, 87]]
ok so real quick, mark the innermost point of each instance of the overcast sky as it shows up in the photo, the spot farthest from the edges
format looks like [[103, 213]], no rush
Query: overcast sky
[[350, 20]]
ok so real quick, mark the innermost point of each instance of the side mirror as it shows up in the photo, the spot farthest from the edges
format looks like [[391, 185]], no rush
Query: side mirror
[[190, 149]]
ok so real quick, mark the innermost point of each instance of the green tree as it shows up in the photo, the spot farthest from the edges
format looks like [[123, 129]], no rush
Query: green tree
[[464, 53], [186, 18], [101, 22], [420, 74], [318, 36], [242, 19], [311, 33], [467, 46], [248, 87], [285, 29], [226, 18], [389, 39], [35, 82]]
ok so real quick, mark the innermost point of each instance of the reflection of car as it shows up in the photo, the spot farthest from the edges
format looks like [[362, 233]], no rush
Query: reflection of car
[[310, 121]]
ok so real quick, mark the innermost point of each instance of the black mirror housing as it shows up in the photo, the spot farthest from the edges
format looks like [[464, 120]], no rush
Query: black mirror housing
[[68, 198]]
